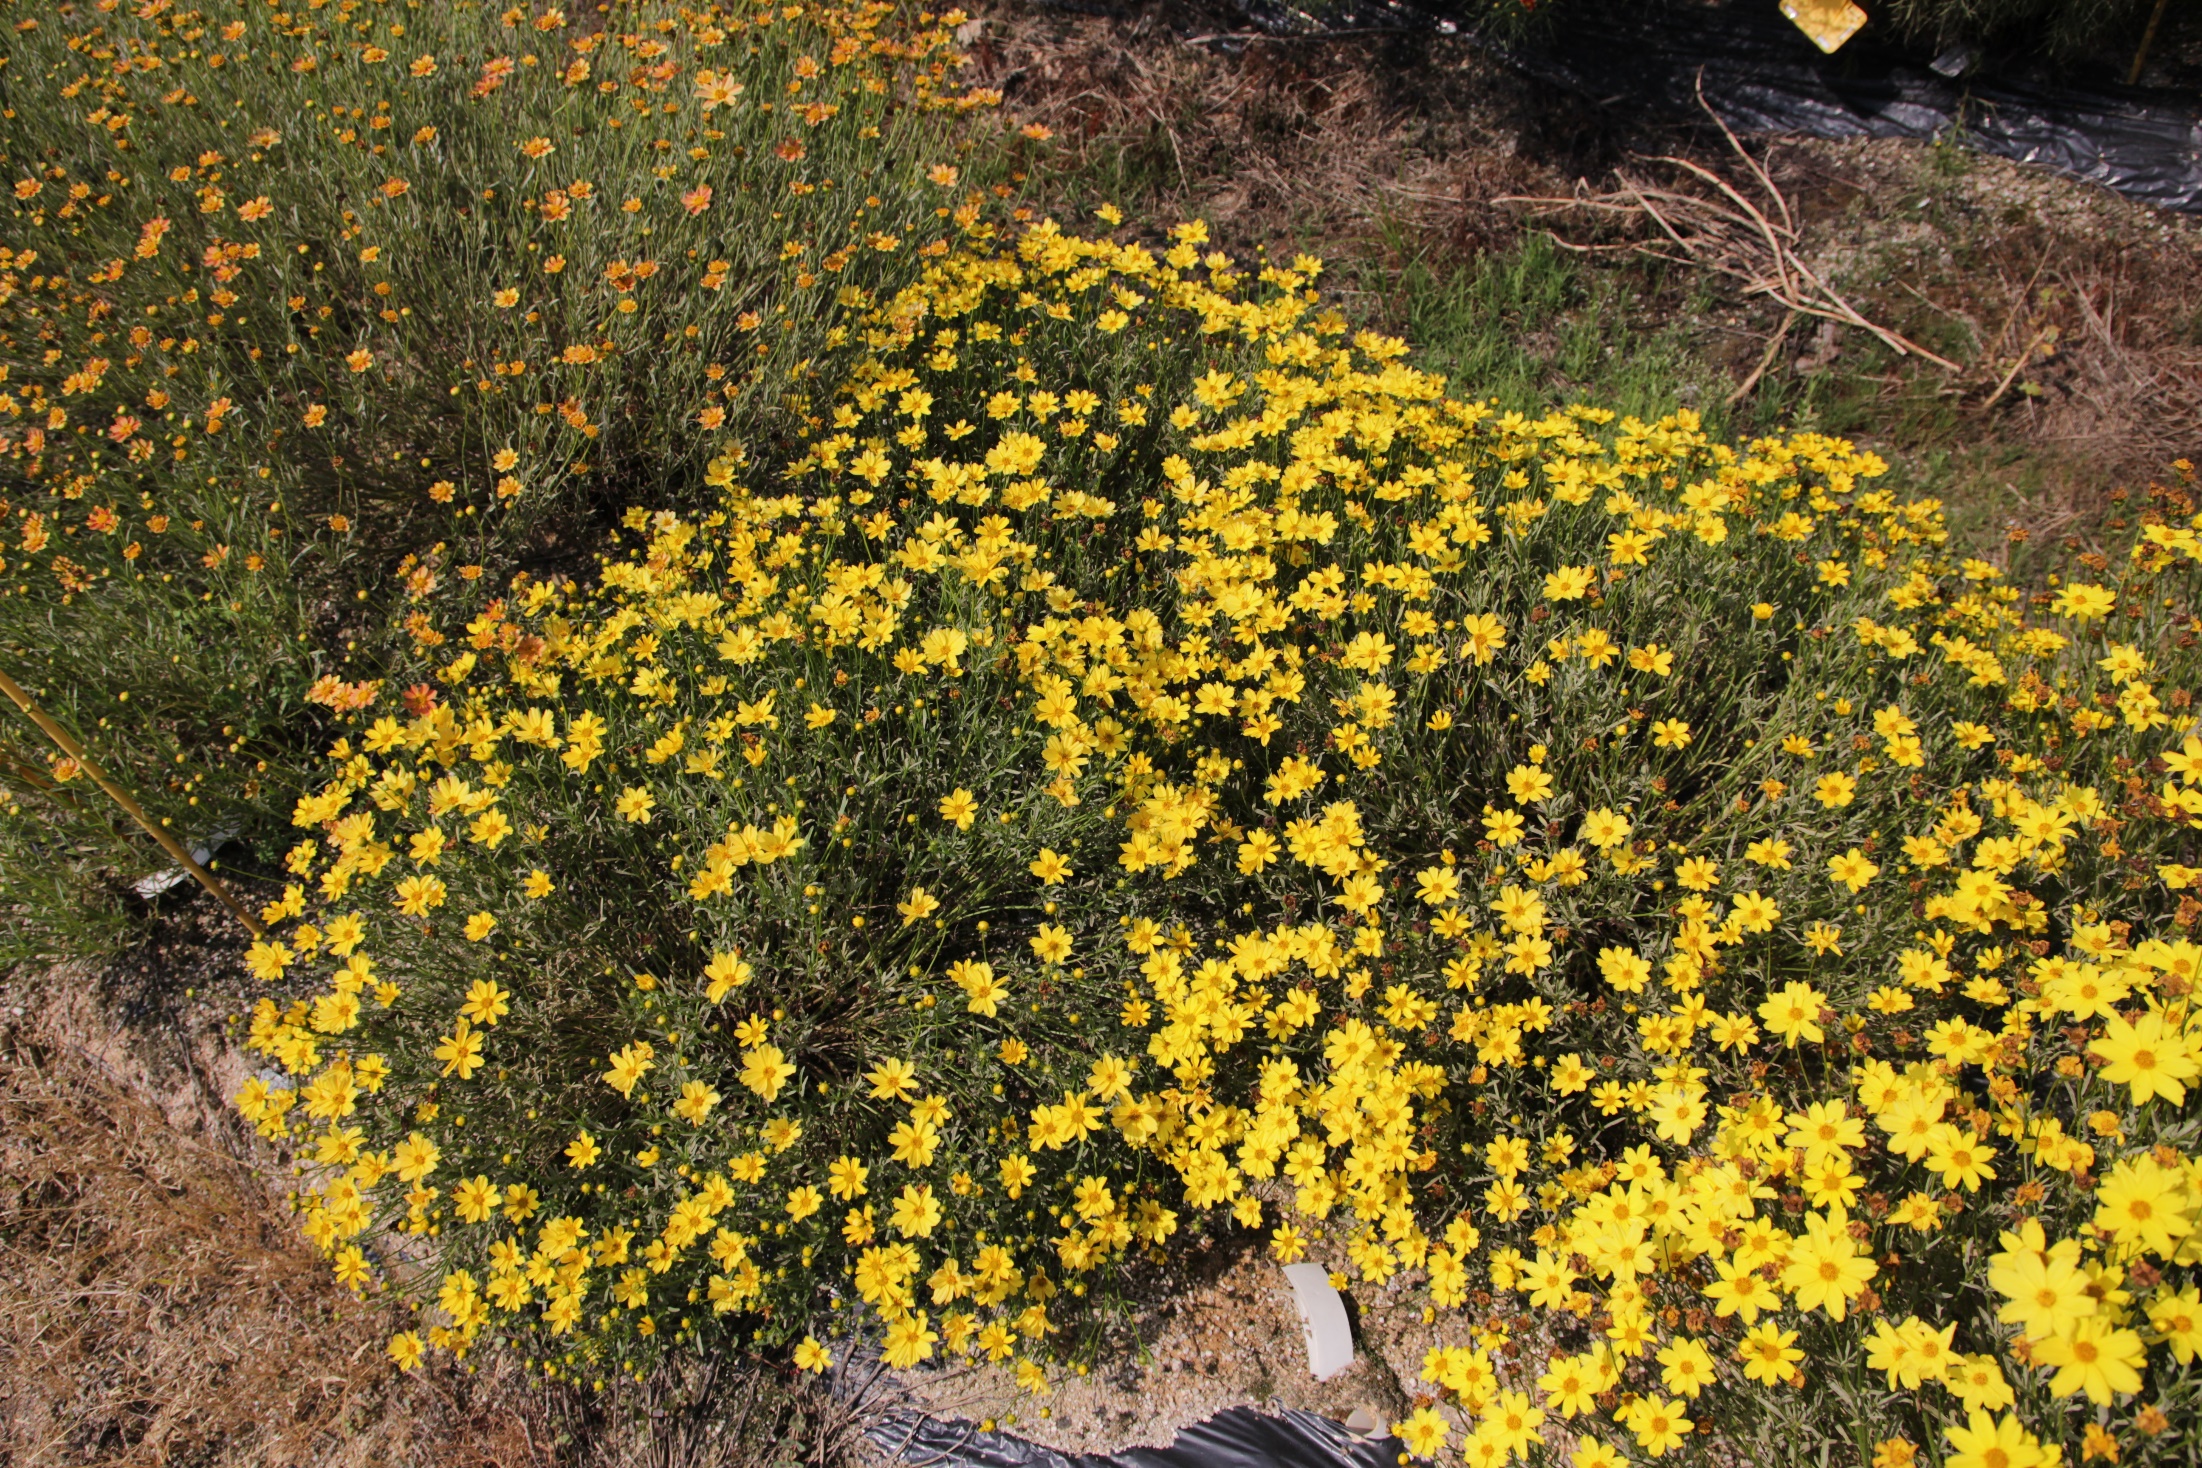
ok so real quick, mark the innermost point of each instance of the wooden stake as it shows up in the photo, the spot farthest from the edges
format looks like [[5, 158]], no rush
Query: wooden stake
[[2148, 38], [122, 797]]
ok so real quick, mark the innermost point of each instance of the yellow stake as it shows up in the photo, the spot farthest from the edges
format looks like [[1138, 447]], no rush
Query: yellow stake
[[122, 797]]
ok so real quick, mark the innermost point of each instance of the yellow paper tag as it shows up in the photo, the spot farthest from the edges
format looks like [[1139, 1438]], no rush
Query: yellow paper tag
[[1828, 22]]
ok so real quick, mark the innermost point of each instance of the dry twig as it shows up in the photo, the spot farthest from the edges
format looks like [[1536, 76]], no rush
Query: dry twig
[[1722, 229]]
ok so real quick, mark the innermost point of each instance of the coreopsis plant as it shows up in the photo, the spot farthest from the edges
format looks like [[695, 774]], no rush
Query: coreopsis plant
[[1149, 766], [287, 295]]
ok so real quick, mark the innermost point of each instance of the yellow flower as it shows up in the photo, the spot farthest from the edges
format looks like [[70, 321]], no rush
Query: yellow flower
[[1527, 783], [1835, 790], [1768, 1353], [919, 905], [414, 1158], [267, 961], [916, 1212], [1437, 886], [1659, 1425], [582, 1151], [476, 1199], [461, 1051], [1423, 1433], [893, 1079], [1987, 1442], [725, 973], [695, 1102], [1794, 1013], [2084, 602], [1853, 869], [2095, 1357], [1051, 867], [1051, 944], [2147, 1055], [909, 1341], [405, 1350], [961, 808], [765, 1069], [1569, 583]]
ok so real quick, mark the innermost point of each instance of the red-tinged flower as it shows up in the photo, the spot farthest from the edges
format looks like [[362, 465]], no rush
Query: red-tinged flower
[[697, 199], [420, 700], [257, 209]]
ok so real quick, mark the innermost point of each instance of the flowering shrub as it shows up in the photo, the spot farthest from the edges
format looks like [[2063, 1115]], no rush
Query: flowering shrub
[[289, 295], [1147, 765]]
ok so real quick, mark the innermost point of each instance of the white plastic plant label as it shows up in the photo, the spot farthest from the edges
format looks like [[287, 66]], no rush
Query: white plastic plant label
[[1329, 1337]]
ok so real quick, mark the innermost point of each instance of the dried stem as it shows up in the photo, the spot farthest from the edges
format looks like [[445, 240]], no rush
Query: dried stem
[[123, 798]]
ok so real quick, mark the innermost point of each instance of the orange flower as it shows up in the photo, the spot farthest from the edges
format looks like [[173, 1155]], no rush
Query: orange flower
[[536, 147], [257, 209], [360, 360]]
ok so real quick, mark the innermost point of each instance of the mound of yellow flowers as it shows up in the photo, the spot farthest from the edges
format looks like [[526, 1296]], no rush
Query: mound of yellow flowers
[[1147, 766]]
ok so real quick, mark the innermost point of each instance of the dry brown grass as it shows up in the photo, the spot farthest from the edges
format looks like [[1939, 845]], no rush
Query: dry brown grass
[[155, 1307], [1273, 141]]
